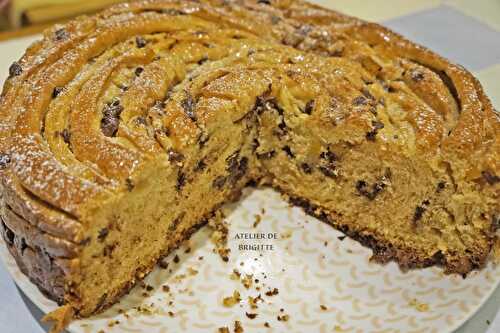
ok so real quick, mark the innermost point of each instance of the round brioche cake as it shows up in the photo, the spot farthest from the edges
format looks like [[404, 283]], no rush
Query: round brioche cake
[[124, 132]]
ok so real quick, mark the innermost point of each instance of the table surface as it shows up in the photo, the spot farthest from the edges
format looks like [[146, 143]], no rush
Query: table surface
[[445, 26]]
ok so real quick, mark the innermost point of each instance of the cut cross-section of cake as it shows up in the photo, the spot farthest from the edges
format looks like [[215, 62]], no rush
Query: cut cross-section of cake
[[122, 133]]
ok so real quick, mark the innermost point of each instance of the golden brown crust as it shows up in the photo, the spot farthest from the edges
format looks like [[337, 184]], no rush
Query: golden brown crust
[[57, 162]]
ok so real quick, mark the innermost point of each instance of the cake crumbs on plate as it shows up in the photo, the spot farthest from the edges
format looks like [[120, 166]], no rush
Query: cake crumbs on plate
[[420, 307], [238, 328], [235, 275], [257, 220], [272, 292], [220, 235], [252, 301], [232, 300], [251, 315], [323, 307], [283, 318], [247, 280], [112, 323], [223, 329]]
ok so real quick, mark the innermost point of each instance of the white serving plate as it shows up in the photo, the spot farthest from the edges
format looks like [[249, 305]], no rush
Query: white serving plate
[[357, 295]]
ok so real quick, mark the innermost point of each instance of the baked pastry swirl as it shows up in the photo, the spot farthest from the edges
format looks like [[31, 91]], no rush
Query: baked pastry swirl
[[123, 132]]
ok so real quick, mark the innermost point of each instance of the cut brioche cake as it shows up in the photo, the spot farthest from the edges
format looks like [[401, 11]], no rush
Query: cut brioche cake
[[124, 132]]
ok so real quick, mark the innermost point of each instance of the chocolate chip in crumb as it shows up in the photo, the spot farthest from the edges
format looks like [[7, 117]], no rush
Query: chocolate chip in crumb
[[4, 161], [309, 107], [138, 71], [200, 166], [181, 181], [264, 2], [66, 135], [188, 104], [417, 215], [364, 189], [306, 168], [61, 34], [15, 69], [202, 60], [103, 233], [360, 100], [110, 120], [174, 156], [377, 125], [417, 75], [130, 184], [140, 42], [57, 91], [441, 186], [219, 182], [176, 259], [490, 177], [288, 151]]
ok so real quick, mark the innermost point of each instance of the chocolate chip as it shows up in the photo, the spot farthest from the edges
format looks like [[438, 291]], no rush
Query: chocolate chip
[[236, 167], [328, 164], [188, 104], [490, 177], [440, 186], [103, 233], [85, 241], [202, 60], [61, 34], [360, 100], [306, 168], [130, 184], [140, 42], [108, 250], [219, 182], [288, 151], [328, 156], [417, 75], [4, 161], [110, 119], [15, 69], [57, 91], [364, 189], [200, 166], [264, 2], [174, 156], [203, 139], [267, 155], [66, 135], [304, 30], [138, 71], [181, 181], [309, 107], [373, 133], [419, 212], [328, 170]]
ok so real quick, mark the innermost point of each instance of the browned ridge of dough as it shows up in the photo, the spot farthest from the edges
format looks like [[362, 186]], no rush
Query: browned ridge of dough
[[123, 132]]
